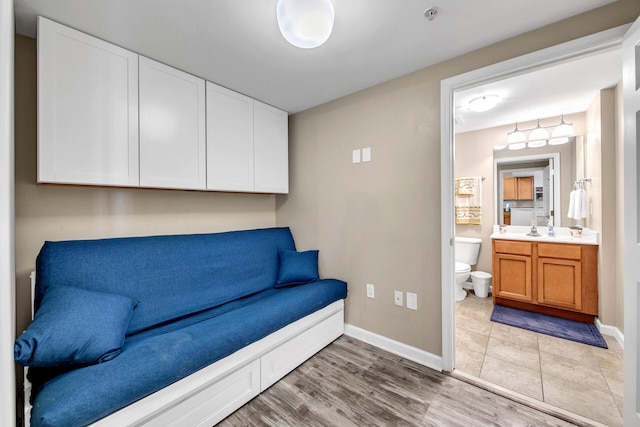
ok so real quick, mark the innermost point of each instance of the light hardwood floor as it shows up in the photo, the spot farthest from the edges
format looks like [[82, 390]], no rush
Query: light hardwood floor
[[579, 378], [351, 383]]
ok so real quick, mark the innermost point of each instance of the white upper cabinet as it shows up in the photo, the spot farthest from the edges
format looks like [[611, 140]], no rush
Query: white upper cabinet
[[229, 140], [87, 109], [109, 117], [270, 149], [247, 144], [172, 128]]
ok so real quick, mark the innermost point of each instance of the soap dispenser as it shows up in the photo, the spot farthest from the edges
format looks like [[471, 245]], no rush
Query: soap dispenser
[[551, 232]]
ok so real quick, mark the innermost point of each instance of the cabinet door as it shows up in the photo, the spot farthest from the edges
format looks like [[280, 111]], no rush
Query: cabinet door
[[172, 128], [229, 140], [271, 149], [525, 188], [87, 109], [512, 277], [510, 189], [560, 283]]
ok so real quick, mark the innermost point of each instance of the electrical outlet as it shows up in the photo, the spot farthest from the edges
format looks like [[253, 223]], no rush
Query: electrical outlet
[[371, 292], [397, 298], [412, 301]]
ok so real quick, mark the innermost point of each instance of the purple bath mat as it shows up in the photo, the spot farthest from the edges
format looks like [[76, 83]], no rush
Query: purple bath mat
[[585, 333]]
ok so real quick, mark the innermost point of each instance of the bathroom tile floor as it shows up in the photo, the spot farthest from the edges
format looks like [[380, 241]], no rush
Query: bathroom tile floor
[[579, 378]]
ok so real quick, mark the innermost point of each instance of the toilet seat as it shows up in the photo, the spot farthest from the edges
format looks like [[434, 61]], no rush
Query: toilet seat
[[461, 267]]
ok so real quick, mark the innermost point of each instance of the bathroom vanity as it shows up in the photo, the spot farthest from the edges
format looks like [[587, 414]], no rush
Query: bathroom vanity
[[557, 275]]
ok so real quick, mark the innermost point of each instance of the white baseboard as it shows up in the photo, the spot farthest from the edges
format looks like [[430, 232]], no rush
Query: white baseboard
[[408, 352], [612, 331]]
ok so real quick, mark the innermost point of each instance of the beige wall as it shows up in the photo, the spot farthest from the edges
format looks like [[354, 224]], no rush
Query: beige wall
[[600, 166], [474, 156], [51, 212], [379, 222]]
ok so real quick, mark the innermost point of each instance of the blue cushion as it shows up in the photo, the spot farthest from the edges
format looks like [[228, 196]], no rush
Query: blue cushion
[[196, 272], [297, 268], [162, 357], [75, 327]]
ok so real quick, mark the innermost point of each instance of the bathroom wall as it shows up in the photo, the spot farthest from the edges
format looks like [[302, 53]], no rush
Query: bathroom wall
[[600, 166], [474, 156]]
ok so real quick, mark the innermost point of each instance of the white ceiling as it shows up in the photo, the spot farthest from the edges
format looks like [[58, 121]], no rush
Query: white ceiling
[[562, 89], [237, 44]]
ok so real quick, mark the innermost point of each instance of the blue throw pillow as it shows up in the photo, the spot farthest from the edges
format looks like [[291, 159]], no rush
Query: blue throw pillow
[[297, 268], [74, 327]]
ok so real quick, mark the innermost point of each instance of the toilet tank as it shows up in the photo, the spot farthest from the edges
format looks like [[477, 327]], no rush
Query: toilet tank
[[467, 249]]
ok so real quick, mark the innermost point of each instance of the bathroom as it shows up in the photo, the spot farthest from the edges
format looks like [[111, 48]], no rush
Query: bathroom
[[592, 154]]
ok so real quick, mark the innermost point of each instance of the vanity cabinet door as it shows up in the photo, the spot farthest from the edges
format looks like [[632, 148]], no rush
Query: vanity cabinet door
[[87, 109], [172, 128], [560, 283], [512, 277]]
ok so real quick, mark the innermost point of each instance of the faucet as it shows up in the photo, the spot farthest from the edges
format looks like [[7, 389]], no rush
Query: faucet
[[534, 231]]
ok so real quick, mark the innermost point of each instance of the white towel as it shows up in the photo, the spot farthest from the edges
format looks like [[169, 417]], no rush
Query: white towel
[[572, 205], [581, 207]]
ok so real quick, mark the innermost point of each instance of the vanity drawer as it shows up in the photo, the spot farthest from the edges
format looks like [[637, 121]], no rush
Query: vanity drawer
[[556, 250], [512, 247]]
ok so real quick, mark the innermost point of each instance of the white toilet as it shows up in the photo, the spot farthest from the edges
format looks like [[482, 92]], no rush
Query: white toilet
[[467, 249]]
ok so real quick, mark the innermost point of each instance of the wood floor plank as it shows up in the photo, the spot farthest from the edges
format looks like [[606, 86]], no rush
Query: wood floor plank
[[351, 383]]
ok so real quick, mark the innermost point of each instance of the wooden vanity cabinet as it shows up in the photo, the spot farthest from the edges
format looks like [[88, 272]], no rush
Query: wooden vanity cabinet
[[559, 279], [517, 188]]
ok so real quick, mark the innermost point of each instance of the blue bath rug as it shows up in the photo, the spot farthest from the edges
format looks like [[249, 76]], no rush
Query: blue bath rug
[[585, 333]]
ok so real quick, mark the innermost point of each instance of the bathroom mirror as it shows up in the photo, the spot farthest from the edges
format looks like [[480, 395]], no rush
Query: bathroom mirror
[[544, 176]]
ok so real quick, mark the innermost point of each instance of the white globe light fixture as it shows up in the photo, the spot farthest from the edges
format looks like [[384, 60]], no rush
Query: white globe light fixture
[[305, 23]]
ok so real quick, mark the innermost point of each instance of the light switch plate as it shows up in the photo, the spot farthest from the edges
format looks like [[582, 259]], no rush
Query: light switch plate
[[412, 301], [371, 293], [366, 154], [356, 156]]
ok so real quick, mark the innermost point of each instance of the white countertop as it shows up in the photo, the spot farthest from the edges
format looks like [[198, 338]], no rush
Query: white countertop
[[563, 235]]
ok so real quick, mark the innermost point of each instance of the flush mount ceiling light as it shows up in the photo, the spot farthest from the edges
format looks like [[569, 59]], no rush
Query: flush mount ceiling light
[[483, 103], [305, 23]]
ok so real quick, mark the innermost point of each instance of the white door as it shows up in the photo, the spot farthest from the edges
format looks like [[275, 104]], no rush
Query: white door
[[631, 84]]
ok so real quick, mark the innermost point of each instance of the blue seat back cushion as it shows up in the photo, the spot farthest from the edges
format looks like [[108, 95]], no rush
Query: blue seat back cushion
[[297, 268], [194, 272], [75, 327]]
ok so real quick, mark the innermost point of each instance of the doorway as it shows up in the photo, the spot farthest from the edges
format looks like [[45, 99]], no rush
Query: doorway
[[535, 61]]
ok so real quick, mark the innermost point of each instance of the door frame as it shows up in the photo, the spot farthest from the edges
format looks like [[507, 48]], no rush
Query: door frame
[[555, 55]]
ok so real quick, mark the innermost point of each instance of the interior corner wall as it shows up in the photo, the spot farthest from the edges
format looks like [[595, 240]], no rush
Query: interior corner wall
[[474, 156], [379, 222], [56, 212]]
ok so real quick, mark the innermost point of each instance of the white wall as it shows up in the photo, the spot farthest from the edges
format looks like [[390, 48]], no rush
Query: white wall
[[7, 242]]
